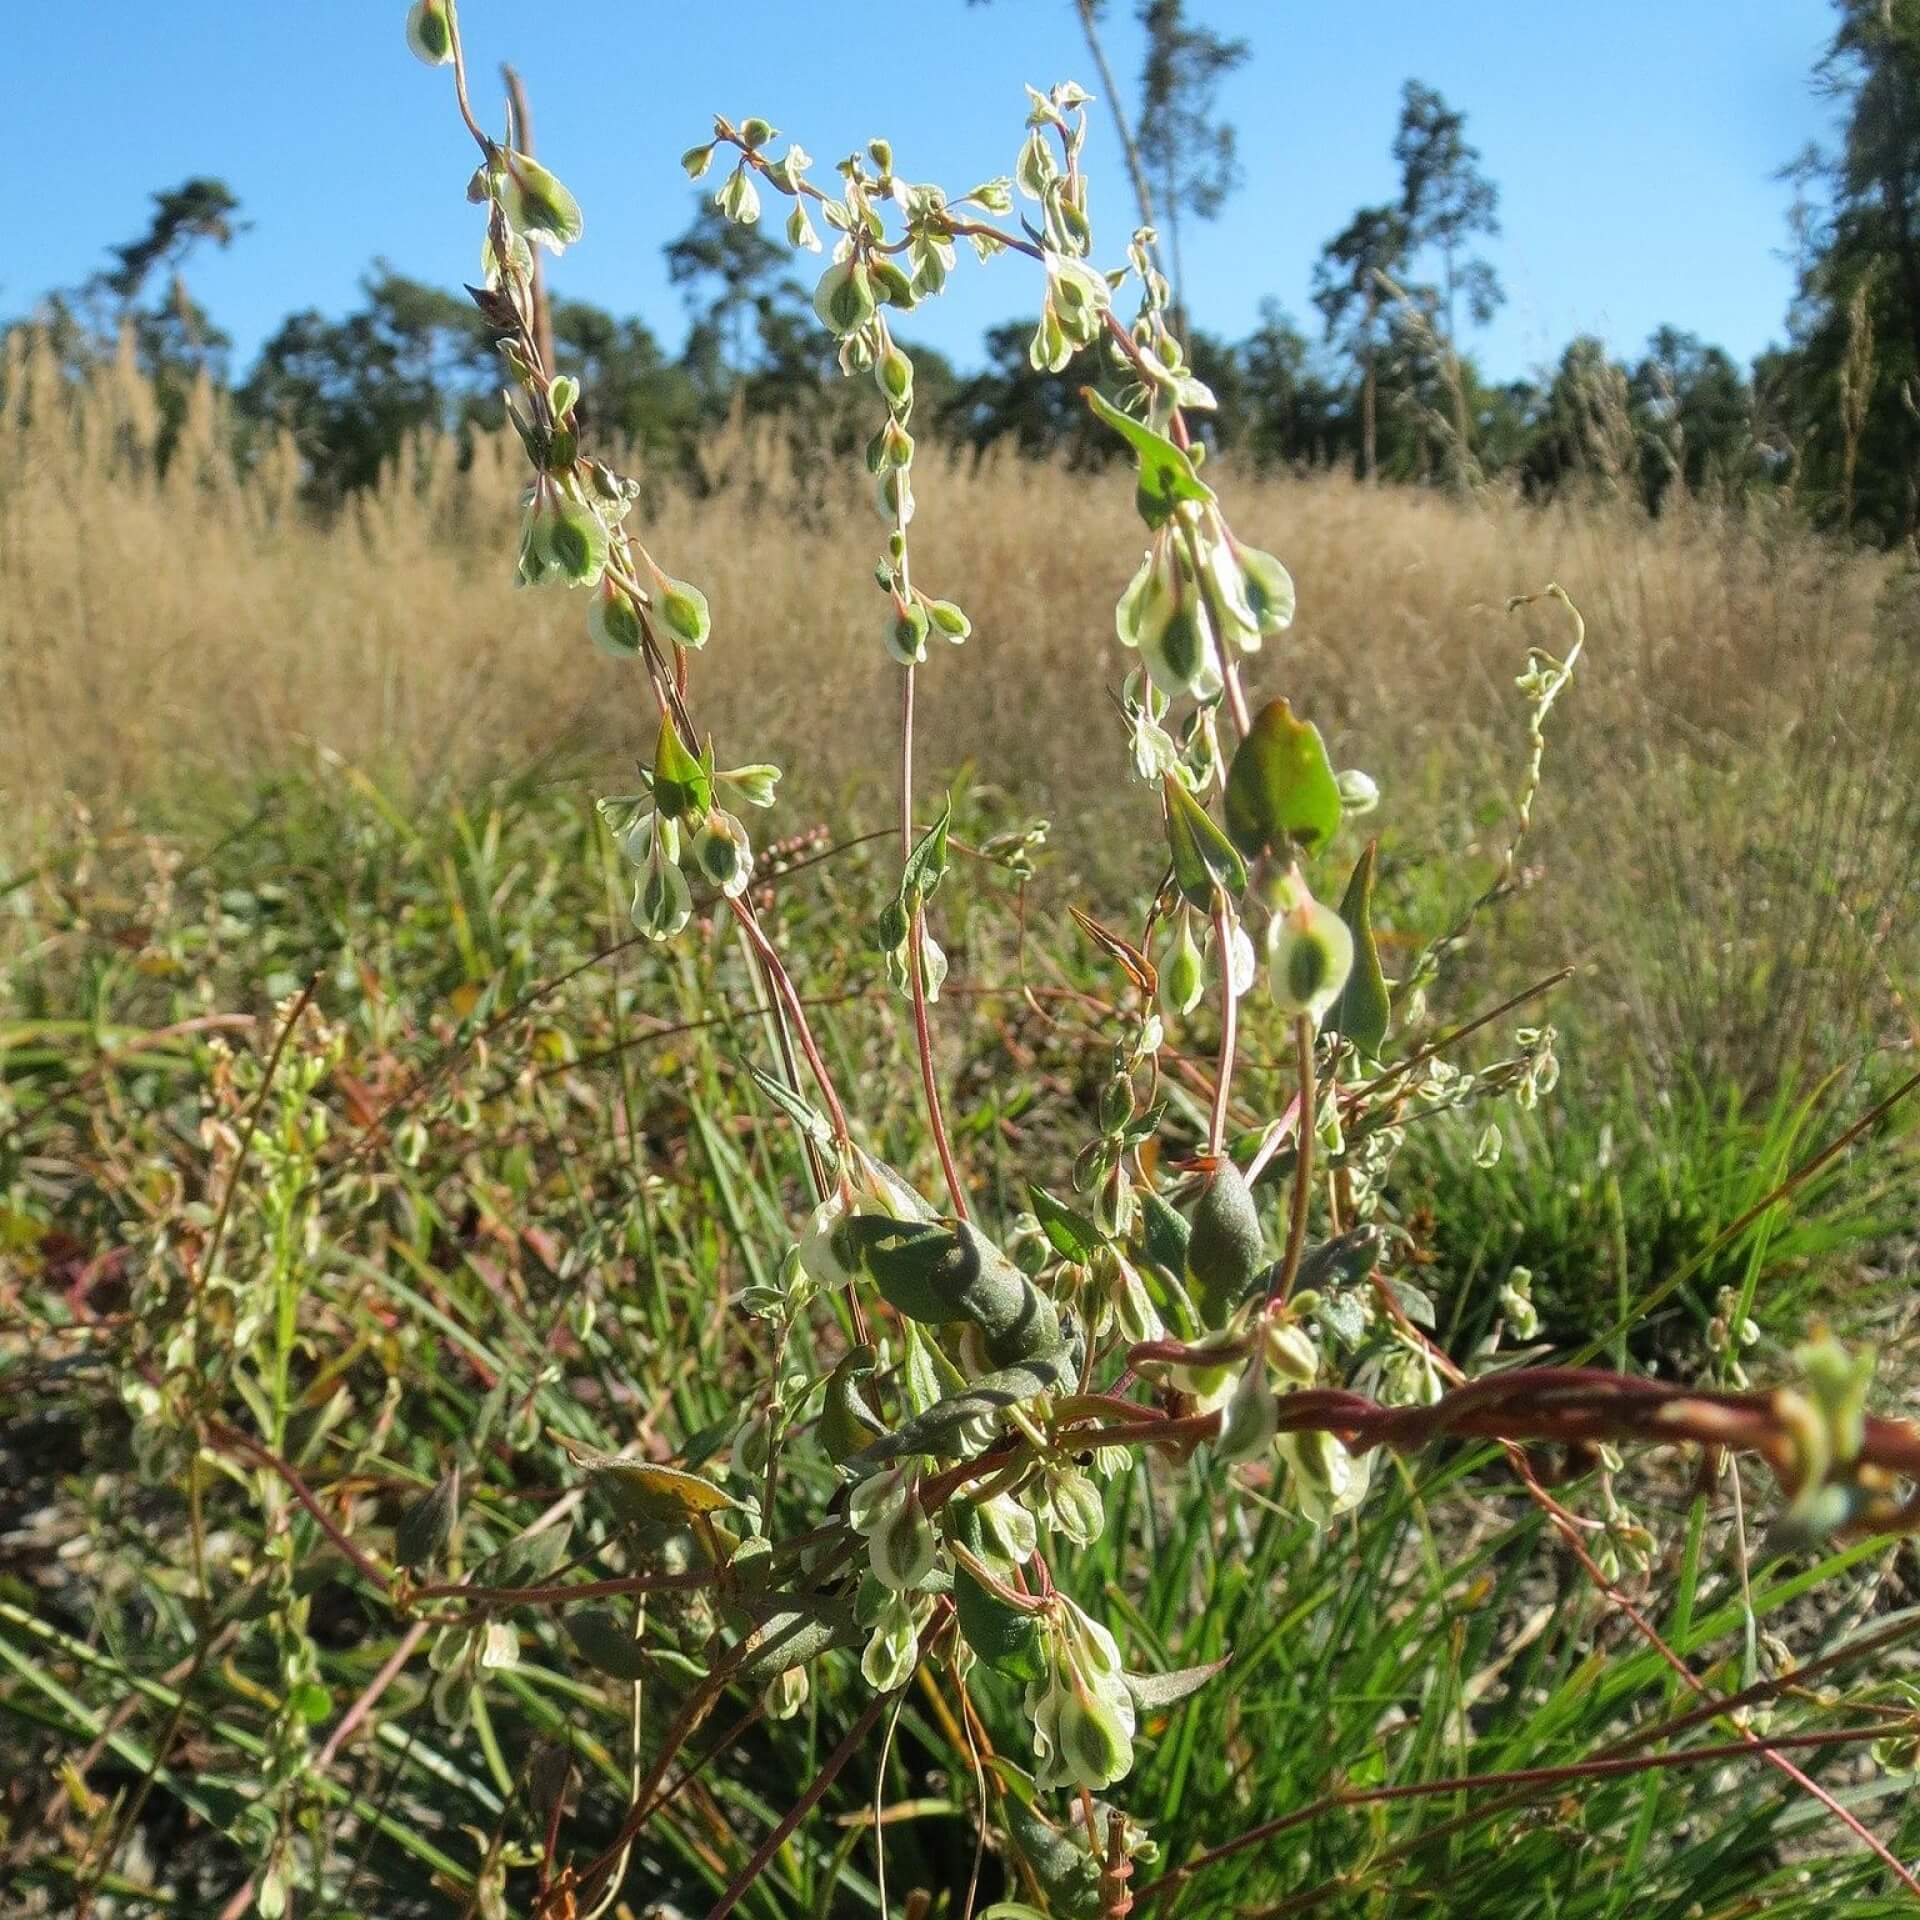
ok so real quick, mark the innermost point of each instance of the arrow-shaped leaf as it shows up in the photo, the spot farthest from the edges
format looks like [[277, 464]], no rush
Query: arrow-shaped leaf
[[803, 1115], [1280, 789], [1151, 1690], [1204, 859], [1166, 471], [1074, 1237]]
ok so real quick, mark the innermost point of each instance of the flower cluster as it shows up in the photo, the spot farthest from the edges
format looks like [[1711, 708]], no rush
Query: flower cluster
[[1198, 588], [862, 282], [1082, 1709], [679, 818]]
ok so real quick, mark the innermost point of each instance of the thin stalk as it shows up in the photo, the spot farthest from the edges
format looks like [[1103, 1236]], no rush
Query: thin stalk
[[744, 1881], [922, 1027], [1302, 1163], [460, 81], [1229, 1021]]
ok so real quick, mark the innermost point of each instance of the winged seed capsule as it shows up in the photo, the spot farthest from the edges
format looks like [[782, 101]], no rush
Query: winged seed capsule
[[723, 853], [1309, 955], [430, 32]]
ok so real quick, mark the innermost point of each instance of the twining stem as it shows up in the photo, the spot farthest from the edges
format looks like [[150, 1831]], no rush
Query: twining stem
[[1223, 1081], [1302, 1162], [922, 1029], [460, 80]]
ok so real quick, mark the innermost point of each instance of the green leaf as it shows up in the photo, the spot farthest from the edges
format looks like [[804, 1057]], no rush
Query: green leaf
[[1073, 1235], [1363, 1009], [1281, 791], [1166, 472], [1204, 860], [940, 1271], [680, 783], [531, 1561], [1415, 1303], [1007, 1638], [1066, 1871], [919, 1384], [1164, 1233], [786, 1630], [427, 1524], [847, 1423], [926, 865], [801, 1112], [936, 1430], [645, 1494], [606, 1642], [1151, 1690], [1344, 1316]]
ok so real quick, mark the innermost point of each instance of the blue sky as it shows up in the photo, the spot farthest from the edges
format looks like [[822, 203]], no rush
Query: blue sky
[[1635, 142]]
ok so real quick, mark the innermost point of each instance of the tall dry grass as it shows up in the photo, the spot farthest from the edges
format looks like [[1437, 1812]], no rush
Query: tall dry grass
[[1735, 771]]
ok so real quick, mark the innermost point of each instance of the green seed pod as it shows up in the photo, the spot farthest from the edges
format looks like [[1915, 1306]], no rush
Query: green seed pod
[[1164, 615], [1224, 1251], [739, 198], [786, 1693], [844, 298], [574, 540], [1049, 350], [890, 282], [614, 621], [755, 132], [1251, 1417], [696, 160], [800, 231], [1095, 1739], [949, 620], [907, 634], [749, 786], [662, 900], [1269, 589], [902, 1552], [682, 609], [894, 1649], [1359, 792], [893, 498], [1309, 955], [536, 204], [1290, 1352], [1183, 974], [1078, 1510], [893, 375], [892, 446], [723, 853], [430, 32]]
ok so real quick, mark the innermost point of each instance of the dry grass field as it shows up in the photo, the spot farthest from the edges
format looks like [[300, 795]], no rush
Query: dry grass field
[[244, 748], [1731, 791]]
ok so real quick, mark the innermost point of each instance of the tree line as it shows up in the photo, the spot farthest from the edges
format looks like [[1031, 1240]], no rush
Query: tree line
[[1383, 379]]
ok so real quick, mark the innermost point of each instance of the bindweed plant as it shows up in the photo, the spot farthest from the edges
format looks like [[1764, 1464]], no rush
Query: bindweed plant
[[948, 1412]]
